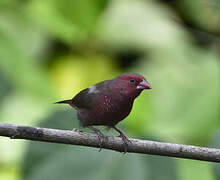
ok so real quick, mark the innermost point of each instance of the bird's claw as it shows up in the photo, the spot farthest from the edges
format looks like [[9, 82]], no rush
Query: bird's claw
[[126, 142], [101, 138], [124, 138]]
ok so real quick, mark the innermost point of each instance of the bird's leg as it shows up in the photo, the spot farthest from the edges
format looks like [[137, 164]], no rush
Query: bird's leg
[[100, 136], [123, 137]]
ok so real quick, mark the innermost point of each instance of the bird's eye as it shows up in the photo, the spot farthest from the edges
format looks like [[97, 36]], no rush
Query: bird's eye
[[132, 81]]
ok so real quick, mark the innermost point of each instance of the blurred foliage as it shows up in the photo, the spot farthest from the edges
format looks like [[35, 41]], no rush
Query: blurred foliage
[[50, 50], [5, 87]]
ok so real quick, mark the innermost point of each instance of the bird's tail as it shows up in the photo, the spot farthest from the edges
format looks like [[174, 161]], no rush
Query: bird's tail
[[69, 101]]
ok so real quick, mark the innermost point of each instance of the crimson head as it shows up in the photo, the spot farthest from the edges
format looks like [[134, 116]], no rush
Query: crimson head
[[131, 85]]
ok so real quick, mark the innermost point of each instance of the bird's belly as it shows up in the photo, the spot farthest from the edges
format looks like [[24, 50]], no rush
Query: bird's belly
[[105, 115]]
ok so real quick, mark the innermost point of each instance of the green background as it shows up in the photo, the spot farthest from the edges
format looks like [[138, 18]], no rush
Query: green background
[[50, 50]]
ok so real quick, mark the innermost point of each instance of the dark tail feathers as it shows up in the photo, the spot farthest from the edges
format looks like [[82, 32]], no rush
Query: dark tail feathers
[[69, 101]]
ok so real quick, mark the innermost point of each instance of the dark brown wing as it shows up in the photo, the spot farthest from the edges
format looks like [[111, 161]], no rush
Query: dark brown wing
[[82, 99], [86, 98]]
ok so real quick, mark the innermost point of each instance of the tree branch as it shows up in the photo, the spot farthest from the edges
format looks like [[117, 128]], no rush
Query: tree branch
[[113, 143]]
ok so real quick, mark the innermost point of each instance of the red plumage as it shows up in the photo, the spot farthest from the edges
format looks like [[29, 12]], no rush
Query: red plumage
[[108, 102]]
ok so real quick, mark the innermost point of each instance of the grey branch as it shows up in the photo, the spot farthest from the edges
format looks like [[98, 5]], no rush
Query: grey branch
[[112, 143]]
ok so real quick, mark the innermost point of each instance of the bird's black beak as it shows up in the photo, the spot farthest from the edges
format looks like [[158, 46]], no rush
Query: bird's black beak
[[144, 85]]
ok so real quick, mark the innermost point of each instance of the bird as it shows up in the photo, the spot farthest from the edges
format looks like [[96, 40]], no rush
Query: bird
[[107, 103]]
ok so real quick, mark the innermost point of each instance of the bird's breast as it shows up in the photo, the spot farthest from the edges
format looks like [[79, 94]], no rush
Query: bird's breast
[[107, 111], [110, 111]]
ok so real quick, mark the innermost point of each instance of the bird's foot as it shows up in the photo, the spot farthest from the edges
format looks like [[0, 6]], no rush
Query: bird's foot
[[101, 137], [124, 139], [126, 142]]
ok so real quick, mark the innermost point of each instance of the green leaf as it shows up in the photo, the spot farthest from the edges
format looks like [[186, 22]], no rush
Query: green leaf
[[70, 21], [184, 96]]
